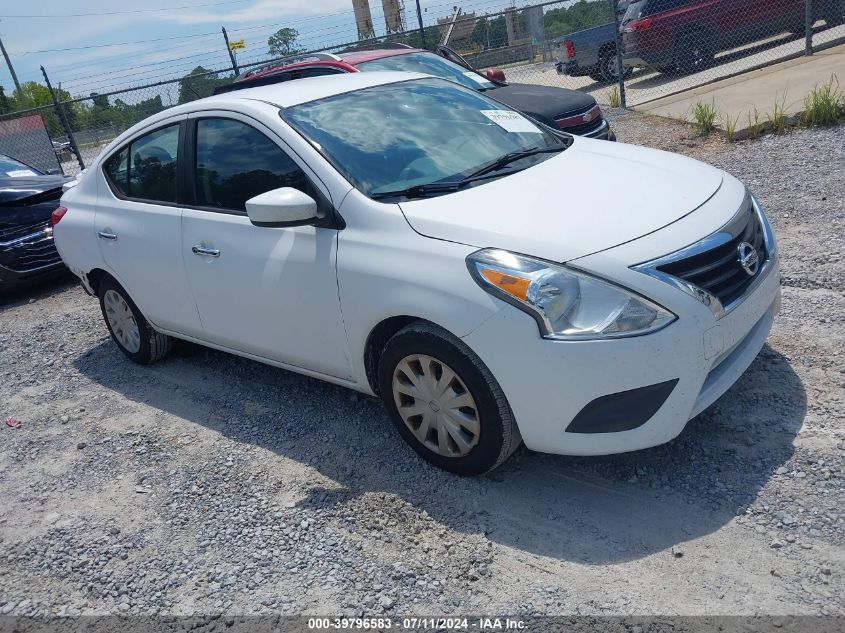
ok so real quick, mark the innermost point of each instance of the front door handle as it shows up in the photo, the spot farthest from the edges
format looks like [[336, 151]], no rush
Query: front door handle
[[105, 235], [205, 252]]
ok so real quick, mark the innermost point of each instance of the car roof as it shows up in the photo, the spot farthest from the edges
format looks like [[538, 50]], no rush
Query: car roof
[[359, 57], [281, 95], [342, 61], [291, 93]]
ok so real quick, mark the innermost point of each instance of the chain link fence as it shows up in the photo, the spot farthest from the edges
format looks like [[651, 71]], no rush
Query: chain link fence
[[625, 52]]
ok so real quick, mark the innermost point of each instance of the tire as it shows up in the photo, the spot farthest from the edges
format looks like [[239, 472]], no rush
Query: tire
[[608, 68], [693, 53], [484, 406], [596, 76], [128, 328]]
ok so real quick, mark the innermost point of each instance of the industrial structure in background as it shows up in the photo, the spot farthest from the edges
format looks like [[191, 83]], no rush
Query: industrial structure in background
[[394, 17], [456, 29], [363, 19]]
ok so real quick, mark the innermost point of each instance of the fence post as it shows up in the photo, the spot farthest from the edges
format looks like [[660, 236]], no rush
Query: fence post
[[65, 123], [808, 27], [231, 52], [620, 70], [420, 22]]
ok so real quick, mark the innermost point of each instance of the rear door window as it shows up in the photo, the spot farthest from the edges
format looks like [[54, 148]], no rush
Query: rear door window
[[146, 168]]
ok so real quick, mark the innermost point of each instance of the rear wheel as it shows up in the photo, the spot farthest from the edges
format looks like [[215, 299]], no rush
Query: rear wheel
[[128, 327], [445, 402], [694, 53]]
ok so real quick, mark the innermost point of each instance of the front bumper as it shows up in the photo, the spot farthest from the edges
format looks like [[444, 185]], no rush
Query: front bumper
[[601, 132], [29, 254], [695, 360]]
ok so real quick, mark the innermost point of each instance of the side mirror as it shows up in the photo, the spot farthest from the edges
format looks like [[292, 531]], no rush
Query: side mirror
[[282, 207], [496, 74]]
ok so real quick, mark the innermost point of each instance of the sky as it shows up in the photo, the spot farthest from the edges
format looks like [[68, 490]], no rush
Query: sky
[[102, 46]]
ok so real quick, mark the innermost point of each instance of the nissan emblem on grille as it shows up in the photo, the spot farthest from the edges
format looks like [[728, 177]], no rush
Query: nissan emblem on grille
[[748, 258]]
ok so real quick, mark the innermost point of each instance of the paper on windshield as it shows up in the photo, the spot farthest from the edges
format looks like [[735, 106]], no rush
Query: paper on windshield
[[481, 81], [20, 173], [511, 121]]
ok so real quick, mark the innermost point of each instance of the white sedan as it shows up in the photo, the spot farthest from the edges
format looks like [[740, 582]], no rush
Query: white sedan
[[407, 237]]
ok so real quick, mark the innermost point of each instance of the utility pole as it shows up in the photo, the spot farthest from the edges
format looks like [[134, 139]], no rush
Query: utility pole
[[11, 68], [63, 119], [420, 22], [231, 53]]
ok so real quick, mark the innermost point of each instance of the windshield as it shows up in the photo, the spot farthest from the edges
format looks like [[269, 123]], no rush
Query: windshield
[[430, 64], [634, 11], [418, 132], [11, 168]]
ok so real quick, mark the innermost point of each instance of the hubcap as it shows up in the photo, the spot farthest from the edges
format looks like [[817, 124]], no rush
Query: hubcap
[[613, 67], [122, 321], [436, 405]]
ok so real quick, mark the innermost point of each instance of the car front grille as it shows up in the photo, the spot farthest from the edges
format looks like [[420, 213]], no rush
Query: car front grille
[[717, 269], [585, 128], [580, 129], [28, 248]]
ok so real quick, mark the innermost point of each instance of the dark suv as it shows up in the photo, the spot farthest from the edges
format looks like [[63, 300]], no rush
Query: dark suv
[[685, 35]]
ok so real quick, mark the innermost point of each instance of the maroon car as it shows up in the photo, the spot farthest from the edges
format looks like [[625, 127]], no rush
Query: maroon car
[[685, 35], [568, 110]]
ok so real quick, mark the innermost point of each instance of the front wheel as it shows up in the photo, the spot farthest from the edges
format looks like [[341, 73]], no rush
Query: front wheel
[[445, 402], [128, 327]]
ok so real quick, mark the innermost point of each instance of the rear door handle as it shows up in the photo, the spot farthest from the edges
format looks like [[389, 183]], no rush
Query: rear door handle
[[205, 252], [105, 235]]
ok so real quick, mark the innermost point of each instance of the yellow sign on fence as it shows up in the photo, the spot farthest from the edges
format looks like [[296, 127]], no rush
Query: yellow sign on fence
[[233, 46]]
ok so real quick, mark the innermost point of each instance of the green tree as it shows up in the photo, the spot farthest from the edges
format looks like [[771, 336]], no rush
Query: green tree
[[577, 17], [490, 32], [5, 104], [283, 43], [432, 38], [34, 95], [199, 83]]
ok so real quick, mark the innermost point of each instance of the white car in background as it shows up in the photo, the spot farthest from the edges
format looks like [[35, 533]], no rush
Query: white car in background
[[405, 236]]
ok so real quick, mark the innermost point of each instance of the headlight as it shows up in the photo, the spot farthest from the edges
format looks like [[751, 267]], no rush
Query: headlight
[[567, 304]]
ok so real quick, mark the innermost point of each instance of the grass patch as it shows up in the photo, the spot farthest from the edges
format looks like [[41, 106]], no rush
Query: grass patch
[[730, 127], [613, 97], [754, 124], [777, 118], [705, 117], [825, 105]]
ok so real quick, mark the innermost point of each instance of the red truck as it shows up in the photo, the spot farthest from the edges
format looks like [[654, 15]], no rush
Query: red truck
[[684, 35]]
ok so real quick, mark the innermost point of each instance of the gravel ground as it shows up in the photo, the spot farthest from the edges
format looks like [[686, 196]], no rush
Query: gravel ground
[[209, 483]]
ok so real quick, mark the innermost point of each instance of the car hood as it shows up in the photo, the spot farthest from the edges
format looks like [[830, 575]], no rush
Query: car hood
[[591, 197], [14, 190], [542, 102]]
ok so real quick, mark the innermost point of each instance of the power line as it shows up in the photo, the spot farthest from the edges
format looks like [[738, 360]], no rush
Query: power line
[[81, 48], [85, 15]]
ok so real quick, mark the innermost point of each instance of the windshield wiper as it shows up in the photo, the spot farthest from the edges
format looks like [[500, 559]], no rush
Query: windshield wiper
[[512, 157], [434, 188], [419, 191]]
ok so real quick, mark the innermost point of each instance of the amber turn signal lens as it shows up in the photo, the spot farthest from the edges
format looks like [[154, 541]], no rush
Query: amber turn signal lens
[[514, 286]]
